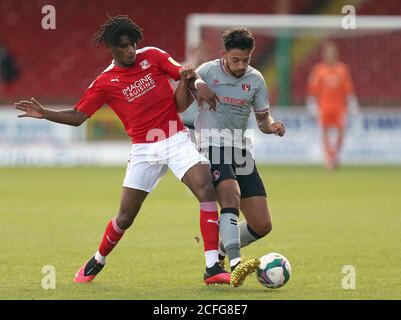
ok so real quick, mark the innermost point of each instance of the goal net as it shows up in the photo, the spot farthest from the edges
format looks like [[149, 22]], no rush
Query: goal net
[[287, 47]]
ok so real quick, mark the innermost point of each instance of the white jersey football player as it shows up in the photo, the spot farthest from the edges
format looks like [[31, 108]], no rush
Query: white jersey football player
[[220, 135]]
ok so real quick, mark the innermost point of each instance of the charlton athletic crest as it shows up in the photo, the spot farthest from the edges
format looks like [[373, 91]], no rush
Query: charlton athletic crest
[[216, 175], [246, 87], [144, 64]]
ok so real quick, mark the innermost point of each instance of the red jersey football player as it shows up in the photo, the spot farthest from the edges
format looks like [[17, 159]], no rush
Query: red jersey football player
[[136, 86]]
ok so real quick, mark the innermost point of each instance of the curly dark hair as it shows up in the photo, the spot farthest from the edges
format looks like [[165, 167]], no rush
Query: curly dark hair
[[115, 27], [238, 38]]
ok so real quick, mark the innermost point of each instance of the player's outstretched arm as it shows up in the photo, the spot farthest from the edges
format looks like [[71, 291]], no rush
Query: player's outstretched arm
[[203, 93], [183, 97], [267, 125], [34, 109], [192, 86]]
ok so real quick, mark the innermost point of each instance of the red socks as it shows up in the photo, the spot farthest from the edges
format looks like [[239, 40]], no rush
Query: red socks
[[110, 238], [209, 225]]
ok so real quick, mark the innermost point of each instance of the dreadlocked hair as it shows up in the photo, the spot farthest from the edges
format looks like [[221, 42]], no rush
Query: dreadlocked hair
[[114, 28]]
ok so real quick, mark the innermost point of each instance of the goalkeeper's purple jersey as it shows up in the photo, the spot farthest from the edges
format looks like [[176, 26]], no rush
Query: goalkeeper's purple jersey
[[238, 98]]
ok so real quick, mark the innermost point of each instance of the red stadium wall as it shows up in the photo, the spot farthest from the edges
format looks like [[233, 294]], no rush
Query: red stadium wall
[[57, 65]]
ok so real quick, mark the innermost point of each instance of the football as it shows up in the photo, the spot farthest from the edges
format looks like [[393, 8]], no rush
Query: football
[[274, 270]]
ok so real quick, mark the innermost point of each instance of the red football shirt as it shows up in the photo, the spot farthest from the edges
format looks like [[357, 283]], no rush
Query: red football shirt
[[141, 96]]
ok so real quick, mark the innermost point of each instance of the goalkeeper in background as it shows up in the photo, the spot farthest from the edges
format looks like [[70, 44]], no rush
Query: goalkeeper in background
[[330, 96]]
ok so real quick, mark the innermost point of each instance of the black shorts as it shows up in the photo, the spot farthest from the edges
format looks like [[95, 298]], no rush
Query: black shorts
[[238, 164]]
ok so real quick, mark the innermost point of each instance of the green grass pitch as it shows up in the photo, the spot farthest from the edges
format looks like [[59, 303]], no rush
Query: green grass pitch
[[321, 222]]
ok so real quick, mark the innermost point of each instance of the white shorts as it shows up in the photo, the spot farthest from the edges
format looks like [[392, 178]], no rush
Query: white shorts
[[148, 162]]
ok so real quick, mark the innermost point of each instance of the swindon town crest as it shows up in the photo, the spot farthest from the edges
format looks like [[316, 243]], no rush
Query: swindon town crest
[[144, 64]]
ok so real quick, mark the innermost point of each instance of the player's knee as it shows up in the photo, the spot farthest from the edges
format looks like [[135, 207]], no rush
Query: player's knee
[[206, 192]]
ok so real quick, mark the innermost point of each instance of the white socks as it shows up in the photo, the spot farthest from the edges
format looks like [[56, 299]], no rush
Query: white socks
[[99, 258]]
